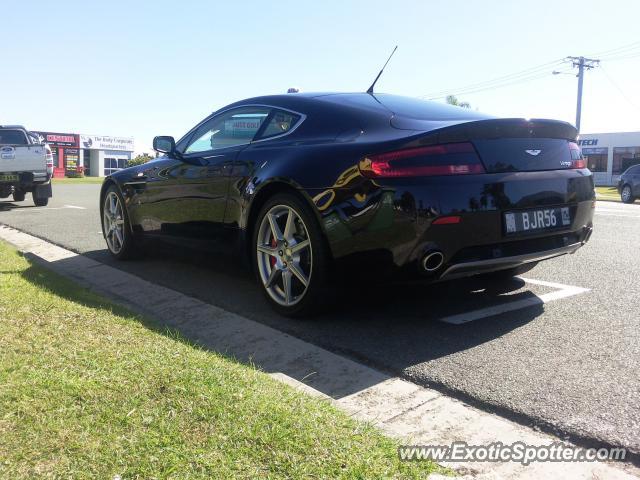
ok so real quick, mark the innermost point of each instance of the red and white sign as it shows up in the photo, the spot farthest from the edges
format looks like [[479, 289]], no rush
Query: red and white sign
[[59, 139]]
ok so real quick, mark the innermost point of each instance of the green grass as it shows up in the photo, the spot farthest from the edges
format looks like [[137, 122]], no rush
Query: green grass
[[81, 180], [90, 390], [608, 193]]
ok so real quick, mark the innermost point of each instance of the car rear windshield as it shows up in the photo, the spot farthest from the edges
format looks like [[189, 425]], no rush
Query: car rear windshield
[[12, 137], [426, 110]]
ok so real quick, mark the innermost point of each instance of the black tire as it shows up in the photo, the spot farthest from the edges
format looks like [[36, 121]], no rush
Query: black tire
[[628, 198], [128, 249], [316, 262], [18, 196], [39, 201]]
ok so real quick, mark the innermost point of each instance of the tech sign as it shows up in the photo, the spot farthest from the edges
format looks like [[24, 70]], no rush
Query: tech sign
[[101, 142]]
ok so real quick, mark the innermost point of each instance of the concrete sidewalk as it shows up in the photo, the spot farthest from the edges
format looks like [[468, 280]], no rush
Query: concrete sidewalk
[[413, 414]]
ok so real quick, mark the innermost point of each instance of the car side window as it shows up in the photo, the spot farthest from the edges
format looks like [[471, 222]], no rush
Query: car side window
[[236, 127], [280, 123]]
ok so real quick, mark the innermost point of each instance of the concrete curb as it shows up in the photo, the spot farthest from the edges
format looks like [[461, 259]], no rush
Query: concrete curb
[[403, 410]]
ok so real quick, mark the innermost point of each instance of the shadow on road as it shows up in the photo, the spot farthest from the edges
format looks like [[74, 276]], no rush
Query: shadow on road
[[8, 205], [389, 325]]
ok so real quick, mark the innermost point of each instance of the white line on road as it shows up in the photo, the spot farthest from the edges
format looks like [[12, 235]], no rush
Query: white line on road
[[563, 291], [616, 215]]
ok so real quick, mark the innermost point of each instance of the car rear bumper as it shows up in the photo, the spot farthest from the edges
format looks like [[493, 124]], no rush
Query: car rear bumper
[[465, 269], [26, 179]]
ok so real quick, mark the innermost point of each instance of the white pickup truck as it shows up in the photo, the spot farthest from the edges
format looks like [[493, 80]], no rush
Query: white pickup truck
[[26, 165]]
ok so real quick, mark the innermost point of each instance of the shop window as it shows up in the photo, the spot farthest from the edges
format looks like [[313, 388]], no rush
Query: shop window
[[624, 157], [87, 162], [597, 163], [54, 153], [71, 160], [113, 165]]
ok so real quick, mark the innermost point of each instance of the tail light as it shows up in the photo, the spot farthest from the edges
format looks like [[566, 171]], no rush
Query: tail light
[[577, 160], [49, 159], [446, 159]]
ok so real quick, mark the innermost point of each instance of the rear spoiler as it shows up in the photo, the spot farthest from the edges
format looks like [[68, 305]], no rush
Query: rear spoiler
[[500, 128]]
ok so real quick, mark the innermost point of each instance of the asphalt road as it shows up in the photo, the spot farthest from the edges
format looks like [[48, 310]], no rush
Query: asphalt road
[[570, 365]]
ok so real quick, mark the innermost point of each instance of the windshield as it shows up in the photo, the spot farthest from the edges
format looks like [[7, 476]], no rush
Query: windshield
[[426, 110]]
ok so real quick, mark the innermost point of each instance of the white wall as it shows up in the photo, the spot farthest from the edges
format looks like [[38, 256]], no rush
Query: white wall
[[610, 141], [97, 160]]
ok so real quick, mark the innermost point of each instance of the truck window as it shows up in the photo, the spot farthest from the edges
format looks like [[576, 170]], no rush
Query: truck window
[[12, 137]]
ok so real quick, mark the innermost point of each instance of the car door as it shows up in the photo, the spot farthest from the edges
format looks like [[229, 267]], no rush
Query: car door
[[186, 197]]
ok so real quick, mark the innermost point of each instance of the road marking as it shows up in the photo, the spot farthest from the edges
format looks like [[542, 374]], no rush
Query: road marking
[[562, 291], [616, 215], [73, 206]]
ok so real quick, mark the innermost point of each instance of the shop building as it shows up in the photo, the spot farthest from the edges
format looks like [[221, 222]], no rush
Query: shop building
[[91, 155], [610, 154]]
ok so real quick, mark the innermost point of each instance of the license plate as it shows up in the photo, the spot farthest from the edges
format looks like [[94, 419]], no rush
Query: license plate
[[537, 220], [8, 178]]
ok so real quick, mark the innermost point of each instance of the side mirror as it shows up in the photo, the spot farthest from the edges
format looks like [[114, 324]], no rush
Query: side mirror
[[164, 144]]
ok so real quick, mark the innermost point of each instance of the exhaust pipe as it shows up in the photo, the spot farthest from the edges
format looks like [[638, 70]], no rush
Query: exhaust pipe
[[432, 261], [587, 234]]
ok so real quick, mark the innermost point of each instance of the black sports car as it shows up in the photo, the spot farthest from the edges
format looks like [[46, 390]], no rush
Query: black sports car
[[298, 183]]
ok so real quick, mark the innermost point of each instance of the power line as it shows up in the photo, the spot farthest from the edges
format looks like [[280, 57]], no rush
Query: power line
[[497, 80], [623, 52], [618, 50], [631, 102], [524, 75], [624, 57], [496, 86]]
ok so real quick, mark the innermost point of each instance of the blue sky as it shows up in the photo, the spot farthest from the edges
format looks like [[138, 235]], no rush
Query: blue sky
[[141, 68]]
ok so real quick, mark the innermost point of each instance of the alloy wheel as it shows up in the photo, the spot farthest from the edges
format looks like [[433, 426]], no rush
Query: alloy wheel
[[284, 255], [626, 193], [113, 223]]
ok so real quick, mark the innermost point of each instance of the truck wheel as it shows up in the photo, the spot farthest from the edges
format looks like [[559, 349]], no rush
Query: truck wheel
[[39, 201], [18, 196]]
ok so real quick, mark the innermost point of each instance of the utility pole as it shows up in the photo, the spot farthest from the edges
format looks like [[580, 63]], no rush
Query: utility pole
[[583, 64]]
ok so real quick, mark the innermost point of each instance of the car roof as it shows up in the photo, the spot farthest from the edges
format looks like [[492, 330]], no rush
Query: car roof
[[377, 103]]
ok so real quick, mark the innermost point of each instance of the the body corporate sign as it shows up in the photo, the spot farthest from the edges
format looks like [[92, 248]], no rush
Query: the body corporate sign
[[99, 142]]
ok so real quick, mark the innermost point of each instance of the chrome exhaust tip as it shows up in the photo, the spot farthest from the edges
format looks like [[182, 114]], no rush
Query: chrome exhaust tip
[[432, 261]]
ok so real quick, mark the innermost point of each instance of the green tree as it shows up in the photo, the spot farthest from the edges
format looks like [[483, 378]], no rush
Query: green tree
[[139, 160], [453, 100]]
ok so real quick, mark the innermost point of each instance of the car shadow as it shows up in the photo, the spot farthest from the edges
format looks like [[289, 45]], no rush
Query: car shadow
[[392, 325], [8, 205]]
